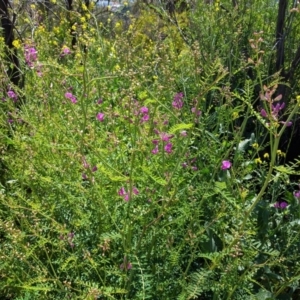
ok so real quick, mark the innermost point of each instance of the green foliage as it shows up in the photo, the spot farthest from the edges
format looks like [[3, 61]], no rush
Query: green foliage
[[113, 179]]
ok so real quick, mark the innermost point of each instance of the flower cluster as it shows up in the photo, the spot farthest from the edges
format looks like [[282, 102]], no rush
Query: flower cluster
[[177, 101], [71, 97], [12, 95], [165, 138], [30, 55], [69, 238], [144, 111], [274, 113], [126, 265], [65, 51], [122, 192], [87, 166]]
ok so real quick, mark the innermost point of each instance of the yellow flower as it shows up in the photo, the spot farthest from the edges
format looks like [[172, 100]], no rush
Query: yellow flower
[[235, 115], [82, 19], [266, 155], [258, 160], [84, 8], [53, 1], [280, 153], [16, 44], [255, 146], [298, 99]]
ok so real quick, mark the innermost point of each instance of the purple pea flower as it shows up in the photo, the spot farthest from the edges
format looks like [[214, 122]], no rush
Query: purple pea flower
[[71, 97], [30, 55], [144, 110], [196, 111], [122, 191], [297, 194], [12, 95], [100, 117], [226, 164], [168, 148], [177, 101], [281, 204], [155, 150], [135, 191], [263, 113], [145, 118], [65, 51]]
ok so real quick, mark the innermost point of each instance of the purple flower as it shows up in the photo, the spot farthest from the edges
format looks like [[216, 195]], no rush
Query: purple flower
[[126, 265], [287, 124], [144, 110], [122, 191], [177, 101], [100, 117], [145, 118], [281, 204], [94, 169], [184, 165], [183, 133], [155, 142], [196, 111], [123, 194], [100, 101], [135, 191], [12, 95], [263, 113], [168, 148], [30, 55], [65, 51], [297, 194], [226, 164], [155, 150], [71, 97], [166, 137]]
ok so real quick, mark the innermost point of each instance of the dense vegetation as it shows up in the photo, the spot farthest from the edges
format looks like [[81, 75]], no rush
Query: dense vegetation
[[150, 151]]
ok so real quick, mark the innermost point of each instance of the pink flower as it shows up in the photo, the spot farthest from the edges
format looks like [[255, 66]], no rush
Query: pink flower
[[100, 117], [177, 101], [166, 137], [155, 150], [71, 97], [12, 95], [168, 148], [30, 55], [144, 110], [196, 111], [122, 191], [263, 113], [183, 133], [145, 118], [226, 164], [135, 191], [65, 51]]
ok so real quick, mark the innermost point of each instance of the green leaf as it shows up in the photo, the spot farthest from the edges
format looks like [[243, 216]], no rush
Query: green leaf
[[179, 127]]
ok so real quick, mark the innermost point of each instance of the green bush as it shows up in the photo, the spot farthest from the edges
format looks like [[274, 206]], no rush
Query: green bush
[[145, 162]]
